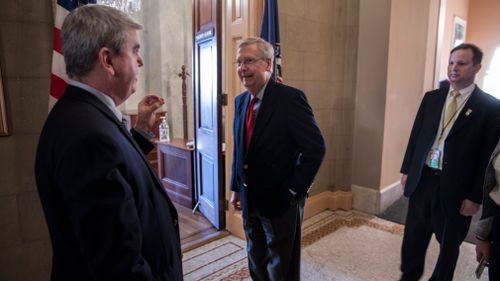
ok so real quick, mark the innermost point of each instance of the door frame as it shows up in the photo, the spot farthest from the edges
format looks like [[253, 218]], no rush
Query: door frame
[[242, 18]]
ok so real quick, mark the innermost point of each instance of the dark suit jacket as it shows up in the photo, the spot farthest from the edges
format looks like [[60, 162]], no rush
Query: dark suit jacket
[[286, 150], [108, 215], [466, 149]]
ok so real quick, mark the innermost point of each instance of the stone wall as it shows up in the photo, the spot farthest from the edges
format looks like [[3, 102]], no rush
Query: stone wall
[[26, 29], [319, 54]]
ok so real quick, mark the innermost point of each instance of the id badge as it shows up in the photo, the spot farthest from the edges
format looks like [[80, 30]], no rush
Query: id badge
[[434, 156]]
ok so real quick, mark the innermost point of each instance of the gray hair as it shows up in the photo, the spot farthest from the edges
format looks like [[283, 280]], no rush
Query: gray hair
[[266, 50], [89, 28]]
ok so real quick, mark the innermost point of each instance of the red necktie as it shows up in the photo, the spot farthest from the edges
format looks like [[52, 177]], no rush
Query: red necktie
[[249, 121]]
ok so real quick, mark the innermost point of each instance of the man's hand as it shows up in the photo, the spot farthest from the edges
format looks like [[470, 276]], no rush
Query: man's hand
[[403, 181], [146, 109], [483, 250], [235, 200], [469, 208]]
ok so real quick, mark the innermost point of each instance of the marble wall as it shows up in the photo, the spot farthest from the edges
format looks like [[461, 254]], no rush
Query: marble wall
[[319, 54], [26, 29]]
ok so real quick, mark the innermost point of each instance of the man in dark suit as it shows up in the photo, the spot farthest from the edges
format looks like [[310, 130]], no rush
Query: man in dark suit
[[443, 169], [278, 149], [108, 215]]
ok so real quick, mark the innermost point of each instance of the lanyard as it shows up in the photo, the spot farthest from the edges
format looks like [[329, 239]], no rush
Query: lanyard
[[444, 126]]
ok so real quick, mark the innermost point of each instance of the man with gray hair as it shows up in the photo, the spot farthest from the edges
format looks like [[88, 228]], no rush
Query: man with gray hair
[[278, 149], [108, 215]]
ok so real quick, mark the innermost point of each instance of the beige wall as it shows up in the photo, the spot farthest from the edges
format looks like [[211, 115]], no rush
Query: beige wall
[[395, 66], [411, 48], [483, 29], [319, 42], [453, 8], [25, 50], [370, 92]]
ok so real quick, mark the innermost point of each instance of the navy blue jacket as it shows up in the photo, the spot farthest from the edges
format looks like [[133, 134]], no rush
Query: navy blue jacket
[[108, 215], [285, 152]]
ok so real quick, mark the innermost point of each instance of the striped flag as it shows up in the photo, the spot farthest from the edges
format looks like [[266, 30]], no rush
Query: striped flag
[[58, 80], [270, 31]]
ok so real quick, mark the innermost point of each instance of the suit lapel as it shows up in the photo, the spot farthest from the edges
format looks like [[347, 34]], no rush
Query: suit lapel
[[437, 108], [241, 113], [467, 110], [266, 110]]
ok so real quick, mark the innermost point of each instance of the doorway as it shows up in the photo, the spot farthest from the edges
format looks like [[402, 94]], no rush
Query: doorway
[[196, 41], [167, 47]]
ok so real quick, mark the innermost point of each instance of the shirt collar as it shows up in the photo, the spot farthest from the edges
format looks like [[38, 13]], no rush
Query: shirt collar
[[260, 94], [107, 100], [465, 92]]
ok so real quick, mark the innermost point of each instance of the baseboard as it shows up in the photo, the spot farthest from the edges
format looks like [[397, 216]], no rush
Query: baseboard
[[315, 204], [327, 200], [389, 195], [371, 201], [202, 239], [234, 223]]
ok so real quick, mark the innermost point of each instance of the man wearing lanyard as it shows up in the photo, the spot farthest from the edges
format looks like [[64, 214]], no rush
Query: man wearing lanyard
[[443, 169]]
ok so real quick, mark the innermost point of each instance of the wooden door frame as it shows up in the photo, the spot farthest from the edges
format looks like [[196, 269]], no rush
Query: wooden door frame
[[250, 12]]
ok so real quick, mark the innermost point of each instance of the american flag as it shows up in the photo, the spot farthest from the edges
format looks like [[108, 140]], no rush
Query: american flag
[[270, 31], [58, 80]]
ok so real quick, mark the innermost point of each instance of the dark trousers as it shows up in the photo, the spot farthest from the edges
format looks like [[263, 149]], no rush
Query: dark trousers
[[494, 262], [426, 216], [273, 244]]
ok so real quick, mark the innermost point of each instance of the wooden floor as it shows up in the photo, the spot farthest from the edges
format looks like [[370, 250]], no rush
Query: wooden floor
[[195, 229]]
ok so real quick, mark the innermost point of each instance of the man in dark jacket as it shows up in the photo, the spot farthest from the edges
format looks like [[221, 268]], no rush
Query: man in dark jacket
[[443, 169], [278, 149], [108, 215]]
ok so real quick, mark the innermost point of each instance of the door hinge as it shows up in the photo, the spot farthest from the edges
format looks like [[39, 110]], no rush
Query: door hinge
[[223, 99], [226, 205]]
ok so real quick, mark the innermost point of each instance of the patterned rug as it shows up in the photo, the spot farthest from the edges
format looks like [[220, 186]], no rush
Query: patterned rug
[[336, 245]]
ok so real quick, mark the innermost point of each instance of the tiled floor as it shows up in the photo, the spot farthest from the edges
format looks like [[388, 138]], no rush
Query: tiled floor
[[336, 246]]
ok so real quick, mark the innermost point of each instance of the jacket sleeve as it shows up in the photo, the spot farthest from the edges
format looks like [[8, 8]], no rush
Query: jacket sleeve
[[307, 135], [412, 142]]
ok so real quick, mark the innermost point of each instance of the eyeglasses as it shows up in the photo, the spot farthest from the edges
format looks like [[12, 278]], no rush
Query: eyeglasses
[[247, 61]]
